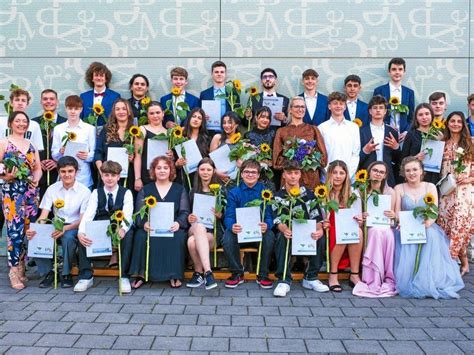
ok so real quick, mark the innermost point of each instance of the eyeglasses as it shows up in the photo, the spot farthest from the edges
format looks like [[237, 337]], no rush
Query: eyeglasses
[[381, 172], [250, 172], [299, 107], [268, 76]]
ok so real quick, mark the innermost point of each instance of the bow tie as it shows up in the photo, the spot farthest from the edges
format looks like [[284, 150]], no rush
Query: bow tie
[[269, 95], [99, 94]]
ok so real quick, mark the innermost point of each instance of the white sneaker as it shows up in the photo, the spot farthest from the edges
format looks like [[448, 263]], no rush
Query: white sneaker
[[83, 285], [281, 290], [125, 282], [316, 285]]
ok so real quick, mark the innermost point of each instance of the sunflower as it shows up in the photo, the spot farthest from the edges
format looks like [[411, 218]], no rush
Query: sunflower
[[150, 201], [118, 216], [321, 191], [237, 84], [234, 138], [214, 187], [358, 121], [48, 116], [59, 203], [438, 123], [134, 131], [176, 91], [178, 132], [429, 199], [295, 191], [267, 195], [361, 175], [98, 109], [145, 101], [265, 148], [71, 136], [394, 101], [253, 91]]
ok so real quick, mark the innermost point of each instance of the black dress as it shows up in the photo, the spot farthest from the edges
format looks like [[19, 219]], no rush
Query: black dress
[[145, 173], [166, 254]]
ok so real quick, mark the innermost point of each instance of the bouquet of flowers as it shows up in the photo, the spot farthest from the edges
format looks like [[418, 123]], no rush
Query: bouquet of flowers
[[303, 152], [233, 89], [142, 117], [12, 160], [113, 232], [130, 135], [433, 133], [263, 154], [179, 110], [97, 112], [396, 105], [459, 167], [173, 135]]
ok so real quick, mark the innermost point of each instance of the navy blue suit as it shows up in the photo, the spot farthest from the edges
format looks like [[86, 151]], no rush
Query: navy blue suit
[[208, 94], [107, 102], [362, 112], [390, 156], [321, 114], [408, 99], [190, 99]]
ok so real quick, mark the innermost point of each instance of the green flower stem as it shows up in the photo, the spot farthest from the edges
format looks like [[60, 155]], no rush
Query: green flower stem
[[215, 242], [120, 266], [147, 249], [260, 244], [47, 151], [55, 264], [328, 259], [417, 259], [187, 178], [287, 244]]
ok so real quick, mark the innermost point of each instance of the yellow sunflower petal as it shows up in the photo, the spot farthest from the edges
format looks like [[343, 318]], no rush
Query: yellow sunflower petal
[[295, 191], [267, 195]]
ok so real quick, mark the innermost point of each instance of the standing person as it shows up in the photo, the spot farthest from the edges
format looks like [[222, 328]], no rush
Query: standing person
[[98, 77], [456, 210], [19, 195], [138, 86], [438, 274], [85, 133], [201, 239], [291, 176], [470, 116], [438, 103], [75, 197], [378, 279], [404, 95], [316, 104], [166, 254], [355, 107], [297, 128]]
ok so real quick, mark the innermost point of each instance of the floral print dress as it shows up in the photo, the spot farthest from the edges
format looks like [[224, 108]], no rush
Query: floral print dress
[[19, 202]]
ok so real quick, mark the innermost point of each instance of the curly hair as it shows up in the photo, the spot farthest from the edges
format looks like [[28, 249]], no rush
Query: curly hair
[[168, 162], [111, 127], [97, 67]]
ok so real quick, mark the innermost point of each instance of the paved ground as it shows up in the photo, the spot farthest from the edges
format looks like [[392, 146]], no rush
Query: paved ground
[[161, 320]]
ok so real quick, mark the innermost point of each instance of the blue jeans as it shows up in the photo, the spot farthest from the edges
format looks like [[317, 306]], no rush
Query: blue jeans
[[68, 244]]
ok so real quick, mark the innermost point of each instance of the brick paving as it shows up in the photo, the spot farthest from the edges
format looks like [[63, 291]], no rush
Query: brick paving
[[159, 320]]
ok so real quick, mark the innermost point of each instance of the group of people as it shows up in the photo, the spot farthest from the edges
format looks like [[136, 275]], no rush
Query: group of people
[[384, 139]]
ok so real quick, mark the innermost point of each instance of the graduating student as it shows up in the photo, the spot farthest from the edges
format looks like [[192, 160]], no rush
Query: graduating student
[[438, 103], [355, 107], [138, 86], [316, 103], [74, 197], [470, 116], [103, 203], [98, 77]]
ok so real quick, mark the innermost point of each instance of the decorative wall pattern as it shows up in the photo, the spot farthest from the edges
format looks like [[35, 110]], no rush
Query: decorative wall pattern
[[50, 43]]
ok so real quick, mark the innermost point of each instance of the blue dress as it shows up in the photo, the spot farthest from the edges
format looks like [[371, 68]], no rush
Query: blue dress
[[438, 275]]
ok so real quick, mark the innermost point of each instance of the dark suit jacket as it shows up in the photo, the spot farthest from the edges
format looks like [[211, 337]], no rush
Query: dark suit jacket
[[190, 99], [208, 94], [258, 104], [321, 114], [408, 98], [107, 102], [362, 112], [390, 156]]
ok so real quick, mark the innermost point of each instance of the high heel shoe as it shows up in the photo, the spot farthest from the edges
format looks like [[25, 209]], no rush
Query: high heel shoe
[[337, 287], [15, 280], [22, 271], [351, 284]]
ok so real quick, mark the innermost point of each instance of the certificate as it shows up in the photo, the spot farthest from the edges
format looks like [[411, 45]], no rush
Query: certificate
[[161, 219], [275, 104], [347, 228], [412, 230], [249, 218], [302, 243], [119, 155], [42, 244], [72, 148], [220, 157], [212, 108], [434, 155], [155, 148], [376, 217], [192, 153], [202, 208], [101, 242]]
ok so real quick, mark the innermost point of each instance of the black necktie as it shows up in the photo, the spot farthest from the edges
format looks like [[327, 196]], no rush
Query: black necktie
[[269, 95], [110, 202]]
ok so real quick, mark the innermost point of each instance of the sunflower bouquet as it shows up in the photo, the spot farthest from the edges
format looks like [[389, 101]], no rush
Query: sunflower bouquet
[[303, 152], [233, 88], [263, 154], [47, 125], [12, 160], [116, 220], [179, 110], [429, 211], [252, 92], [396, 106], [142, 117], [69, 136], [144, 211], [97, 112], [173, 135], [435, 130], [459, 167], [130, 135], [221, 201]]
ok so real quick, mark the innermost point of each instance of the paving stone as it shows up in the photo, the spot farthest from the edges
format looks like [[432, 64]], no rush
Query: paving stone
[[127, 299], [363, 346], [95, 341], [310, 302], [169, 309], [468, 332], [415, 322], [275, 321], [348, 322], [325, 346], [454, 312], [137, 308], [230, 332], [214, 319], [266, 332], [201, 309], [19, 339], [295, 311], [445, 334], [63, 340], [373, 334], [336, 302], [147, 318], [46, 315], [409, 334], [14, 350], [113, 318], [301, 333], [108, 352], [76, 307], [293, 346], [69, 351], [252, 345], [133, 342], [248, 320], [168, 343], [217, 301], [88, 328], [421, 311], [80, 317], [466, 346], [159, 330], [180, 319], [439, 347], [42, 306], [208, 344], [195, 330], [315, 322], [15, 315], [187, 300], [383, 322], [401, 347], [52, 327], [358, 312], [123, 329], [338, 333], [106, 308], [17, 326], [326, 311], [277, 301], [389, 312], [264, 311]]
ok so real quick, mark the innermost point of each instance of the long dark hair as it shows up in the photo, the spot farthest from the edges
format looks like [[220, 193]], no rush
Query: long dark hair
[[235, 118], [203, 135], [197, 184], [465, 140], [415, 124]]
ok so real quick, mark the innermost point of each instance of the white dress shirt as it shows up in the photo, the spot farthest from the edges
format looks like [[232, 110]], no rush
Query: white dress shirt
[[378, 133], [342, 142], [352, 108], [75, 200], [311, 102], [91, 210], [395, 91], [85, 134], [98, 98]]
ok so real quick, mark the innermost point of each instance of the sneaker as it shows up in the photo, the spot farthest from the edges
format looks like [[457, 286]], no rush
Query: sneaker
[[83, 285], [281, 290], [66, 281], [209, 282], [125, 283], [47, 281], [264, 282], [195, 281], [234, 281], [316, 285]]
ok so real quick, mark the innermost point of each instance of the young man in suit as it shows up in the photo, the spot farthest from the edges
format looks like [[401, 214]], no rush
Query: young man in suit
[[394, 88], [316, 103], [179, 79], [470, 116], [438, 103], [355, 108], [98, 76], [378, 140]]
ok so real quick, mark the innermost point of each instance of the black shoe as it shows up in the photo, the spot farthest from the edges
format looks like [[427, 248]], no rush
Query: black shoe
[[48, 280], [209, 281], [66, 281], [195, 281]]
